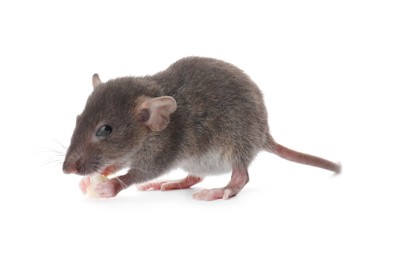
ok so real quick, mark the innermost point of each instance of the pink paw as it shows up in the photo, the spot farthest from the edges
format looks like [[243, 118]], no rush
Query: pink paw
[[171, 185], [214, 194], [108, 189], [84, 184], [151, 186]]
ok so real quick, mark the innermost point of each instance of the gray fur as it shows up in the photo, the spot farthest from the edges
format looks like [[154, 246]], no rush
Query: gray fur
[[220, 123]]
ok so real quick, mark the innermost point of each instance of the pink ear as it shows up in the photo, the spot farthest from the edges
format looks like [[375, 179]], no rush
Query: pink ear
[[159, 110]]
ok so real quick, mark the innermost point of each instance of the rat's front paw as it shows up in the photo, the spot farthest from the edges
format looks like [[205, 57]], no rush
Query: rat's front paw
[[108, 189], [89, 183], [85, 183]]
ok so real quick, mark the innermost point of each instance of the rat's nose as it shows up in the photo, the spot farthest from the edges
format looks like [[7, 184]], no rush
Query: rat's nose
[[69, 167]]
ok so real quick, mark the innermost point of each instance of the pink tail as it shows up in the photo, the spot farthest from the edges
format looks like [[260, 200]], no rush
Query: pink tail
[[303, 158]]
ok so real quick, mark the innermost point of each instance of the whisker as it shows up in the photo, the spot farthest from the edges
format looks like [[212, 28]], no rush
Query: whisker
[[152, 175], [122, 183], [50, 162], [59, 143]]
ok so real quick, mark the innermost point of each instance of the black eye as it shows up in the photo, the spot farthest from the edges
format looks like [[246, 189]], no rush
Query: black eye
[[104, 131]]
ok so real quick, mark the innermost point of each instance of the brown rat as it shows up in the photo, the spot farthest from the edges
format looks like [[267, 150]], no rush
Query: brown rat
[[203, 115]]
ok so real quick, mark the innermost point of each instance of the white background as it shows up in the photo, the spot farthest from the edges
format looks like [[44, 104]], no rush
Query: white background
[[327, 69]]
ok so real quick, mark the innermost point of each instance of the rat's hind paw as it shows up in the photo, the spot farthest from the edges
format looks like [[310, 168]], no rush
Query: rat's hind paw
[[214, 194], [171, 185], [151, 186]]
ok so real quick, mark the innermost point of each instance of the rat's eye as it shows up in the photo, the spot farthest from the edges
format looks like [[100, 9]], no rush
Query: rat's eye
[[104, 131]]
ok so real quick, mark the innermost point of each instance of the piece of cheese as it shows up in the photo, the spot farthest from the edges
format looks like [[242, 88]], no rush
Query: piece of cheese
[[95, 180]]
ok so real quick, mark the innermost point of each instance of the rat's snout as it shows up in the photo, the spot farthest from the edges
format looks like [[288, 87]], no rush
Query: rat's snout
[[71, 166], [77, 165]]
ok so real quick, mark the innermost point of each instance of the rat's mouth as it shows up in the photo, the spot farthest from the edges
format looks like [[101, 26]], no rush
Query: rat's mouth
[[85, 168], [105, 172], [110, 170]]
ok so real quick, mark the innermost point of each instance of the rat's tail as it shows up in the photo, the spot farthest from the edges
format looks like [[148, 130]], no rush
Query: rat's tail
[[304, 158]]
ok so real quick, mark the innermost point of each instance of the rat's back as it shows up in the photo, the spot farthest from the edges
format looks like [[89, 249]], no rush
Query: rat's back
[[220, 111]]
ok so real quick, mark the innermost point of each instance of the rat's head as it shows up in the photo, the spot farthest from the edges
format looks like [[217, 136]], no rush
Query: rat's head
[[117, 118]]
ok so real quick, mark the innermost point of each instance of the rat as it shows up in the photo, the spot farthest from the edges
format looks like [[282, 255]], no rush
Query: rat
[[203, 115]]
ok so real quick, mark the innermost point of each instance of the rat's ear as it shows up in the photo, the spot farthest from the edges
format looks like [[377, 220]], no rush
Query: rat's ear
[[155, 112], [96, 80]]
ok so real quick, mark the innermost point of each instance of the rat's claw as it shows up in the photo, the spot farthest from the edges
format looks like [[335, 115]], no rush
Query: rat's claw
[[84, 183]]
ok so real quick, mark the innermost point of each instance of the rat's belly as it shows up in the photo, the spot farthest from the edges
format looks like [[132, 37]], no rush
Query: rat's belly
[[210, 163]]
